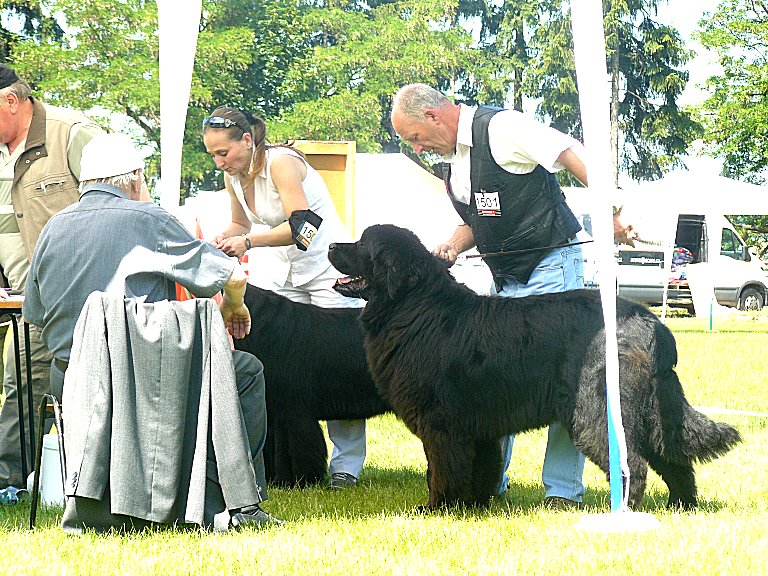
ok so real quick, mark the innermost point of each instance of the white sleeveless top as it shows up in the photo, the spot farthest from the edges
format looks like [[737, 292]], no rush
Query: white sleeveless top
[[288, 263]]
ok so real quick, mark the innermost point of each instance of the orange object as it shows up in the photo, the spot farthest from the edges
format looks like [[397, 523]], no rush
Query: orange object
[[181, 292]]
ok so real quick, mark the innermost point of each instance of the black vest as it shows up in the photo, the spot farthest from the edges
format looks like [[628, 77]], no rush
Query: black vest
[[531, 210]]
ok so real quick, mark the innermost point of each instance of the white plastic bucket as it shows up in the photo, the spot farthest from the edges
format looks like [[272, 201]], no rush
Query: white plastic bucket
[[51, 491]]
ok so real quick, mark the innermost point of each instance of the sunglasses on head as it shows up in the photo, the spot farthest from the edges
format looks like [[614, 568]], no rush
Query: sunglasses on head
[[219, 122]]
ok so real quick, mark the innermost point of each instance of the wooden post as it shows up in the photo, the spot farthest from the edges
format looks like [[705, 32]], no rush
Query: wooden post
[[335, 161]]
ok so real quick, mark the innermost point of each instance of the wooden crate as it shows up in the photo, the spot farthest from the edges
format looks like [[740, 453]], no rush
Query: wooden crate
[[335, 161]]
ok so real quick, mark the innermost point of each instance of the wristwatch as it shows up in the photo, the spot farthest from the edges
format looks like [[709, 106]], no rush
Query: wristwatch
[[247, 241]]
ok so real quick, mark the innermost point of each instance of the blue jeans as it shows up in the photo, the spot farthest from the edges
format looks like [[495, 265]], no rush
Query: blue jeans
[[562, 269]]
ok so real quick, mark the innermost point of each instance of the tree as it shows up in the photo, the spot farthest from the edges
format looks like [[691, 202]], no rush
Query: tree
[[31, 22], [656, 131], [108, 66], [327, 69], [645, 59], [262, 39], [735, 114], [754, 231], [109, 61], [361, 55], [505, 31]]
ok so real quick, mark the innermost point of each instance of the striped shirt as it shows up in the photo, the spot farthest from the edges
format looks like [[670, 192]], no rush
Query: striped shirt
[[7, 165]]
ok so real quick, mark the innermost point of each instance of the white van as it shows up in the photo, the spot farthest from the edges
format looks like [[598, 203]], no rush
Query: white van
[[739, 277]]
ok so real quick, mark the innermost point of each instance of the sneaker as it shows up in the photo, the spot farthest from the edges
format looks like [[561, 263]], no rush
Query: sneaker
[[253, 517], [12, 495], [342, 480], [560, 503]]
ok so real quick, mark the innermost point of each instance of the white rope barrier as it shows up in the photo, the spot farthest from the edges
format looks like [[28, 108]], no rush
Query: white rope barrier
[[731, 411]]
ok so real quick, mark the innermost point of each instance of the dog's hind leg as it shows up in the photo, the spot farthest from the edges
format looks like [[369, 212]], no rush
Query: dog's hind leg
[[636, 462], [300, 451], [590, 436], [681, 481], [638, 474], [680, 436]]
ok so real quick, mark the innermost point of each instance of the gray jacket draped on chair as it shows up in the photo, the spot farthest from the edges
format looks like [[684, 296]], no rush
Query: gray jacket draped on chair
[[144, 384]]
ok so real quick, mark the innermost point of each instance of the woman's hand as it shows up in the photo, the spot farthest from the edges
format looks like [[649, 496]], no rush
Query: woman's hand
[[232, 246]]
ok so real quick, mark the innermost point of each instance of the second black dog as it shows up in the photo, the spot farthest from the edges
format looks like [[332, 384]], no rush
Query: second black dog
[[315, 369], [462, 370]]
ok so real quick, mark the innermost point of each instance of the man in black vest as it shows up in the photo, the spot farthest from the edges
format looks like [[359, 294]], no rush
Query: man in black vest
[[500, 167]]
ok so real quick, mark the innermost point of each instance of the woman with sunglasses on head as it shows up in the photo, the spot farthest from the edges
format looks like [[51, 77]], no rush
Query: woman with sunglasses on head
[[274, 186]]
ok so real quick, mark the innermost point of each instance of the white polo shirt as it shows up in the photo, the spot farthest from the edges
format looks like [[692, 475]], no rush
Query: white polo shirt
[[518, 144]]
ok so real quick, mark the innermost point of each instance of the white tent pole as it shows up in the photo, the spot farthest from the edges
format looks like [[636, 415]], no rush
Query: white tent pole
[[178, 25], [594, 101], [666, 271]]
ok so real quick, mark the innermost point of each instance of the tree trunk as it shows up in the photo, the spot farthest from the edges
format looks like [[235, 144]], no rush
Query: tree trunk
[[615, 78], [520, 51]]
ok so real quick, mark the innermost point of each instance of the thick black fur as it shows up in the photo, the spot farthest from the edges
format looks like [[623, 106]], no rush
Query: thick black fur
[[462, 370], [314, 369]]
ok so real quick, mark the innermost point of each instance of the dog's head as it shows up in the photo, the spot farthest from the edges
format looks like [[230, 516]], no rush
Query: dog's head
[[386, 260]]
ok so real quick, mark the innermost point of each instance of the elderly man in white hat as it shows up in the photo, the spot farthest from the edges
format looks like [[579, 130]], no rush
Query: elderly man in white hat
[[116, 241]]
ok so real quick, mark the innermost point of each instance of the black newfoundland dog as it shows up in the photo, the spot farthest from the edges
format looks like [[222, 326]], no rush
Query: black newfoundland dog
[[462, 370], [314, 369]]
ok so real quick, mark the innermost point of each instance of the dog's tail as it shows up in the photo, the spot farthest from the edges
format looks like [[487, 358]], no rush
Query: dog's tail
[[681, 434]]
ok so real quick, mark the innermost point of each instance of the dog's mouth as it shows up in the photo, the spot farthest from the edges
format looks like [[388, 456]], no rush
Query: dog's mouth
[[356, 287]]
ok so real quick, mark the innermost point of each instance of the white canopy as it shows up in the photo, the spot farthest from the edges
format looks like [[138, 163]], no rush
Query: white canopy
[[683, 192], [701, 193], [392, 188]]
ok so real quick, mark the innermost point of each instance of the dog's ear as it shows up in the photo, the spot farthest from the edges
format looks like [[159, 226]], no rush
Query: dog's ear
[[395, 273]]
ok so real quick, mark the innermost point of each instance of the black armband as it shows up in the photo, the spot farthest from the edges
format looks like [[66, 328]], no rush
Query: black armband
[[304, 225]]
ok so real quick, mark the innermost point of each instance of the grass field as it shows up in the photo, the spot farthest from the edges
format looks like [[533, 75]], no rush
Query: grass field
[[373, 529]]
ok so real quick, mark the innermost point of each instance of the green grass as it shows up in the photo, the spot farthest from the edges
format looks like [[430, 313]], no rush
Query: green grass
[[373, 528]]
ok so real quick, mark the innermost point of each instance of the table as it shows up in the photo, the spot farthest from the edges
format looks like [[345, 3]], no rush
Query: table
[[8, 310]]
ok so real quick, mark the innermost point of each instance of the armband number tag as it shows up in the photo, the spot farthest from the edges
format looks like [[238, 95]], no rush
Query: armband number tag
[[304, 226], [487, 203], [306, 234]]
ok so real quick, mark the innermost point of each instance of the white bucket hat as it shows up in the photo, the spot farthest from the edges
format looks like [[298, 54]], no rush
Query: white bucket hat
[[108, 155]]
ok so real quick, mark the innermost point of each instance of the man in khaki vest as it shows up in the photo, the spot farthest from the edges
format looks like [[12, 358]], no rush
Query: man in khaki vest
[[40, 147]]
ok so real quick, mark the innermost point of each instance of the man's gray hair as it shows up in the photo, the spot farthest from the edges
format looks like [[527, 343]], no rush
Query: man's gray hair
[[412, 99], [122, 181], [20, 88]]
